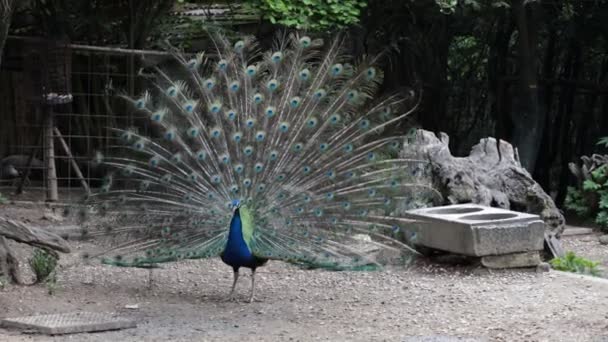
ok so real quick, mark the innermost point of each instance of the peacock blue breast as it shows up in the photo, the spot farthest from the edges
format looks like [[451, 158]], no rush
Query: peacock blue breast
[[237, 253]]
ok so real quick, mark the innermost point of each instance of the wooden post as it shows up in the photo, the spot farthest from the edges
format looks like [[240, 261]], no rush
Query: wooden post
[[52, 194], [67, 151]]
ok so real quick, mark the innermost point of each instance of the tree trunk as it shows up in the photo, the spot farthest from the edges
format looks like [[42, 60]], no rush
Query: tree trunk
[[528, 120], [6, 12]]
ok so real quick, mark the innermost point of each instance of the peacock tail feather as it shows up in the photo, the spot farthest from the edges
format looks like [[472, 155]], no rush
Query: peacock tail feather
[[291, 135]]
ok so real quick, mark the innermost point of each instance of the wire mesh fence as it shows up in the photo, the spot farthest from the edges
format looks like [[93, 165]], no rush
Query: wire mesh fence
[[79, 128]]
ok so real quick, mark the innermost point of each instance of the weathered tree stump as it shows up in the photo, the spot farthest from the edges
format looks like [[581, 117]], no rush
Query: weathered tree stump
[[20, 232], [491, 175]]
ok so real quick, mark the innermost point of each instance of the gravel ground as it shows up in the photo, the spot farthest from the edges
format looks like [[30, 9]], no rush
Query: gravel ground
[[187, 301]]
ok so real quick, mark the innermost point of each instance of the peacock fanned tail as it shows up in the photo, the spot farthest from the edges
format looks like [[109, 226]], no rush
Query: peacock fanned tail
[[291, 134]]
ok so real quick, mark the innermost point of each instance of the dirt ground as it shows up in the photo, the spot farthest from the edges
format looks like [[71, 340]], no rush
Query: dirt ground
[[186, 301]]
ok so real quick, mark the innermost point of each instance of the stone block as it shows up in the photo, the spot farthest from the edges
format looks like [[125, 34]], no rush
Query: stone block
[[513, 260], [477, 230]]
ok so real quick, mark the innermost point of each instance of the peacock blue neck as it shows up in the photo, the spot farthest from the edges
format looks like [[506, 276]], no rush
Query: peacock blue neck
[[237, 253]]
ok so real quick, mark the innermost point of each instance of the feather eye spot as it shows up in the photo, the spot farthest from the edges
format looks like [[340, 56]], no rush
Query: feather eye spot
[[304, 74], [305, 41], [215, 107], [261, 187], [251, 70], [320, 93], [312, 122], [209, 83], [248, 150], [193, 132], [306, 169], [370, 73], [258, 98], [193, 177], [295, 101], [371, 192], [250, 122], [260, 136], [166, 179], [329, 196], [170, 134], [274, 155], [231, 115], [234, 86], [299, 210], [247, 182], [139, 145], [222, 64], [176, 158], [394, 145], [127, 136], [259, 167], [334, 119], [371, 156], [216, 179], [323, 147], [270, 111], [364, 124], [272, 85], [216, 132], [201, 155], [331, 174], [281, 177], [158, 115], [154, 161], [284, 127], [346, 205], [234, 189], [276, 57], [352, 96], [318, 212], [239, 45], [225, 158], [237, 137], [336, 69], [348, 148], [192, 64], [171, 91], [298, 147], [238, 168]]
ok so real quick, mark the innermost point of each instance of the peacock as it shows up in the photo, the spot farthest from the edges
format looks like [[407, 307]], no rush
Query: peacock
[[255, 155]]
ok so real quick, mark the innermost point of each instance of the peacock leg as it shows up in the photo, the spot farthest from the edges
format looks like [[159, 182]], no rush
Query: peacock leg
[[252, 284], [236, 278]]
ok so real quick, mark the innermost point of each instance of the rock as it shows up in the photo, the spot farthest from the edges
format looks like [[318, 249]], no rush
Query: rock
[[543, 267], [603, 239], [515, 260], [491, 175]]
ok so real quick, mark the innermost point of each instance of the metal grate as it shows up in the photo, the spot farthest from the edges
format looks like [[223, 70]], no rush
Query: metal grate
[[68, 323]]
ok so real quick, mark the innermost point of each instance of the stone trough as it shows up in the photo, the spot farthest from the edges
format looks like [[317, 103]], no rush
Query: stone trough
[[502, 238]]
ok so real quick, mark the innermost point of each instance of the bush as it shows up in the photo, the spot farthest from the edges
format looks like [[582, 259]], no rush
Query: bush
[[43, 264], [572, 263]]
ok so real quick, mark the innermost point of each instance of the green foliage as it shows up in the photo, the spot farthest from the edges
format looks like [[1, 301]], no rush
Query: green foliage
[[43, 264], [314, 15], [603, 142], [572, 263], [592, 199]]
